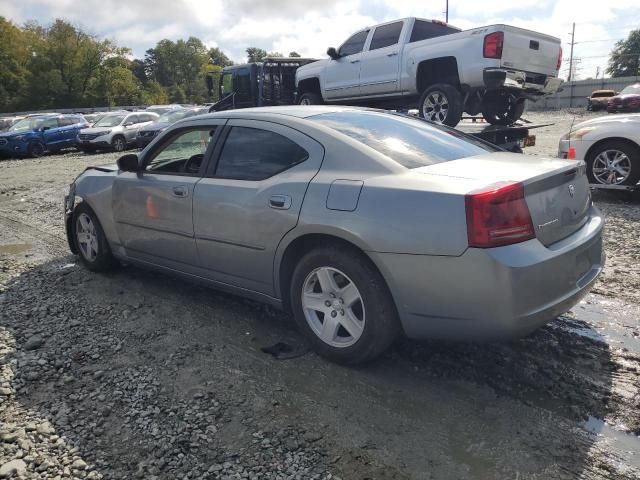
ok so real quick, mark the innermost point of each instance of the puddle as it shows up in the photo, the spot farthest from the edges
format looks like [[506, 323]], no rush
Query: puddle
[[627, 442], [15, 248]]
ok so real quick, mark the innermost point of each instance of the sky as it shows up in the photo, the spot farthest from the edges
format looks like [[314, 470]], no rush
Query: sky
[[310, 26]]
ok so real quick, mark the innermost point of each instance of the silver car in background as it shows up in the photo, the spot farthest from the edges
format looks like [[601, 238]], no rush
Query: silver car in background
[[114, 131], [362, 223]]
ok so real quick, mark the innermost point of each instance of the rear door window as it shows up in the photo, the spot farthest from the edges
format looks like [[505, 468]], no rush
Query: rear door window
[[255, 154], [386, 35]]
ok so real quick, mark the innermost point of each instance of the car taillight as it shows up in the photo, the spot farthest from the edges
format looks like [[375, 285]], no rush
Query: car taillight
[[493, 45], [498, 215], [559, 63]]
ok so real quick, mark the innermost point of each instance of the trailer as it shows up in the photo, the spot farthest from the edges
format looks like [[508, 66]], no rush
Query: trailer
[[272, 83]]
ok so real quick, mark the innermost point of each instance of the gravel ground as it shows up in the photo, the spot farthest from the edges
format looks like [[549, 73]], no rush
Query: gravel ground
[[139, 375]]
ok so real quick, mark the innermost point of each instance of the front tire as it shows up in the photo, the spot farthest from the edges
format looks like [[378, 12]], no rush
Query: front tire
[[91, 242], [342, 305], [614, 162], [502, 108], [310, 98], [118, 143], [441, 103], [36, 149]]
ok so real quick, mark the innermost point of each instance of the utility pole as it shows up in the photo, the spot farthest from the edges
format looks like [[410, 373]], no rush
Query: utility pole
[[573, 35], [447, 13]]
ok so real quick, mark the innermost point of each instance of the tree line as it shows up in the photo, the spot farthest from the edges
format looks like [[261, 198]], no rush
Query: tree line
[[62, 66]]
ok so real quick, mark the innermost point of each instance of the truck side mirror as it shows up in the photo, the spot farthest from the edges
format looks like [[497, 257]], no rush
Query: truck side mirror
[[333, 53]]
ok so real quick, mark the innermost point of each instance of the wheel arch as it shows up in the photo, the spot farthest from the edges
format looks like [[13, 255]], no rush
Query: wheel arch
[[309, 85], [296, 246], [593, 148], [437, 70]]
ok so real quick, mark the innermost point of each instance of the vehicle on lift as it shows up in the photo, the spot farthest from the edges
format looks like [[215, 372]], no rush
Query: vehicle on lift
[[437, 68], [272, 83]]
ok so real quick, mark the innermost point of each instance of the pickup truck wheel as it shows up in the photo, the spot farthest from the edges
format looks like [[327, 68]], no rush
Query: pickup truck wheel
[[36, 149], [441, 103], [614, 162], [501, 109], [310, 98]]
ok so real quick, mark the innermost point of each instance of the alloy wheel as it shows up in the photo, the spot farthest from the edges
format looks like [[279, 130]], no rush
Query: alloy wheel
[[435, 107], [611, 167], [87, 237], [118, 144], [333, 307]]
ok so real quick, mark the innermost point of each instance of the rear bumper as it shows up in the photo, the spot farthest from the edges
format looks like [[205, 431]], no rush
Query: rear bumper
[[496, 78], [492, 294]]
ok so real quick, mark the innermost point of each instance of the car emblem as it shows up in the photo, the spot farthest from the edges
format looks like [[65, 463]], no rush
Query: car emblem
[[572, 190]]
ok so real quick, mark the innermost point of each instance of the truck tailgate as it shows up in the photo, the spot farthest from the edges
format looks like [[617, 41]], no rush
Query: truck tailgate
[[530, 51]]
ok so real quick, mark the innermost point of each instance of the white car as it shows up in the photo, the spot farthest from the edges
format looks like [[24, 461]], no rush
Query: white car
[[609, 145]]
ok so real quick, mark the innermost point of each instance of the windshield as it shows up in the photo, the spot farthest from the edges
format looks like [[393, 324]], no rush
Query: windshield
[[26, 124], [632, 89], [603, 94], [174, 116], [109, 121], [410, 141]]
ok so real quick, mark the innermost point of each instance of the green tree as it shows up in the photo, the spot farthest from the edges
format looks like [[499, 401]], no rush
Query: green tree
[[15, 56], [624, 60], [218, 57], [116, 84], [294, 54], [154, 94], [255, 54]]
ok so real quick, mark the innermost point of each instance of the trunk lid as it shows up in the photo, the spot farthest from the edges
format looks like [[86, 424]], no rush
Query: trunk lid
[[556, 191], [529, 51]]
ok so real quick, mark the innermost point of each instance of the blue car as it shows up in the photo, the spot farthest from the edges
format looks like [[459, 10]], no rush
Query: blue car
[[35, 135]]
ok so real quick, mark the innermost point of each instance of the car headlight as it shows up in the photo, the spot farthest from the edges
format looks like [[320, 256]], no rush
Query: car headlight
[[581, 132], [107, 132]]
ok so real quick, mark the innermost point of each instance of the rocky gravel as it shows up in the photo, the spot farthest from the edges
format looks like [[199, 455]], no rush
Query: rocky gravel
[[138, 375]]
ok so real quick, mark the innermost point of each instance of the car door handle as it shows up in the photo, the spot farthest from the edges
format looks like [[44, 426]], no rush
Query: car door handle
[[355, 61], [180, 191], [392, 54], [280, 202]]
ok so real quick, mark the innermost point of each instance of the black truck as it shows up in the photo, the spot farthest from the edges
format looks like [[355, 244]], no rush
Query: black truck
[[273, 82]]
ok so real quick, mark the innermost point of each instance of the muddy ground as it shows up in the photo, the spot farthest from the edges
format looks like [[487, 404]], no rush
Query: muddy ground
[[139, 375]]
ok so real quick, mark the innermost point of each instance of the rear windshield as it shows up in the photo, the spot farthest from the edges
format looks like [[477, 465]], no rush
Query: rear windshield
[[412, 142], [632, 89]]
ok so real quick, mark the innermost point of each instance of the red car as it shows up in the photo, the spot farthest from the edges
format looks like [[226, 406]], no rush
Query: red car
[[628, 100]]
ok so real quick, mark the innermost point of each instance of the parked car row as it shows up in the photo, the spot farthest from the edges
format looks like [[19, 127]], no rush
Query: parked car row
[[628, 100], [36, 134]]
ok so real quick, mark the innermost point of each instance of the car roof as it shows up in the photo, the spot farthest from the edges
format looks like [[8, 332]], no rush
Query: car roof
[[297, 111]]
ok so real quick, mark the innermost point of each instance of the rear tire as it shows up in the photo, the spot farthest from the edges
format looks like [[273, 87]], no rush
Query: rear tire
[[502, 108], [118, 143], [441, 103], [90, 240], [36, 149], [342, 305], [310, 98], [624, 156]]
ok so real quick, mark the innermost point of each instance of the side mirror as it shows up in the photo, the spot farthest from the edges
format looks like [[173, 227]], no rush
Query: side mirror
[[333, 53], [42, 129], [128, 124], [128, 163]]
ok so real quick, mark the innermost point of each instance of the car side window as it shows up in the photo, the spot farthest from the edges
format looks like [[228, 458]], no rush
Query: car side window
[[386, 35], [65, 121], [255, 154], [132, 119], [50, 123], [424, 30], [354, 44], [183, 154], [145, 117]]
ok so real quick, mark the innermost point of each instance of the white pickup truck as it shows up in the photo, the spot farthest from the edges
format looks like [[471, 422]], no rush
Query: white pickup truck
[[438, 69]]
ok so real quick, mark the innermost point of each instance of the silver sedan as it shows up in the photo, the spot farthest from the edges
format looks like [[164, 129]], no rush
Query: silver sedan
[[363, 224]]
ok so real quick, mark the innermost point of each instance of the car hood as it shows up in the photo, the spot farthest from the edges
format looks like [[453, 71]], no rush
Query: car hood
[[608, 119], [155, 126], [626, 96]]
